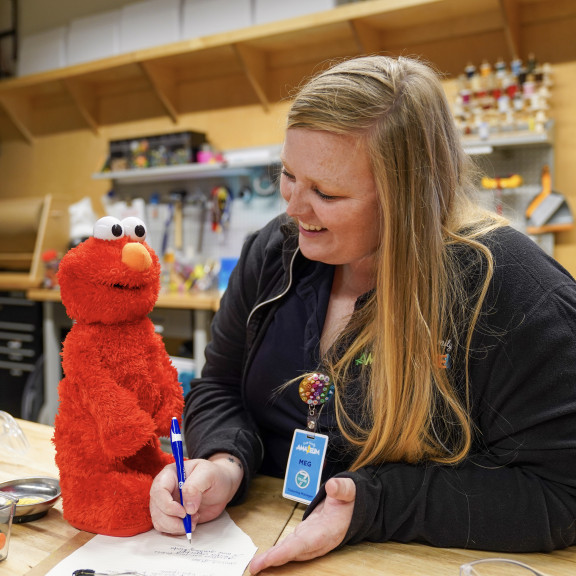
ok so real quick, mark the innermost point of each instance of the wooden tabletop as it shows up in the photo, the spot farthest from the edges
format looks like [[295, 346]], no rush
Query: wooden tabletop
[[32, 542], [36, 547], [266, 517], [208, 300]]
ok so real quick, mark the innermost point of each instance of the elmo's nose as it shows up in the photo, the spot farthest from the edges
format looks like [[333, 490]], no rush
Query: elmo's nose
[[136, 257]]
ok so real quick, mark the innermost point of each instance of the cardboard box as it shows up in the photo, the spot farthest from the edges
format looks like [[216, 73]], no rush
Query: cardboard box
[[153, 151], [94, 37], [271, 10], [43, 51], [205, 17], [148, 24]]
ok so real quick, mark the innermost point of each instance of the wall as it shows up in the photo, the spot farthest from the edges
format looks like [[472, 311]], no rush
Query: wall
[[564, 111]]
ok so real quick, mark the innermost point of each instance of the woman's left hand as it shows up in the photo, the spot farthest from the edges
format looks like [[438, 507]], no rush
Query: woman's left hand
[[321, 532]]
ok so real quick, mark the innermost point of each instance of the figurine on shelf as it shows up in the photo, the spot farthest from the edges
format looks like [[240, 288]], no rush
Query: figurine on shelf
[[494, 99], [51, 262]]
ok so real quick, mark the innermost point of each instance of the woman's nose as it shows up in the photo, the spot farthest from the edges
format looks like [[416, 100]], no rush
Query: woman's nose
[[295, 199]]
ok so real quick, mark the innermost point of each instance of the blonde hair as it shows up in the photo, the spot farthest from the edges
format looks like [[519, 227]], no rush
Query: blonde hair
[[411, 408]]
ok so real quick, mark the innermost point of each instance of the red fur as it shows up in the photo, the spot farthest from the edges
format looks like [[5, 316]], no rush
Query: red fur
[[119, 391]]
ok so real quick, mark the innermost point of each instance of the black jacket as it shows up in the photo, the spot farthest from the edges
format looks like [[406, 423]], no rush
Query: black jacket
[[516, 491]]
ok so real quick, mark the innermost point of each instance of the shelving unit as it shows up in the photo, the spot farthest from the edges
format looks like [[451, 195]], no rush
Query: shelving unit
[[27, 229], [507, 140], [249, 174], [515, 153], [173, 173], [261, 64], [187, 171]]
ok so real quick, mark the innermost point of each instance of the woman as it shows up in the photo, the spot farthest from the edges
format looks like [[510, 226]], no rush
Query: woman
[[449, 337]]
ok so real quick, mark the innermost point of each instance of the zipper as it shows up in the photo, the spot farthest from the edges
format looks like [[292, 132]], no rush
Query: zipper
[[278, 296]]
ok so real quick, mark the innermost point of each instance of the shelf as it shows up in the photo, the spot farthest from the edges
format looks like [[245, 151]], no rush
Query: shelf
[[18, 281], [474, 145], [238, 162], [260, 65], [209, 300], [180, 172]]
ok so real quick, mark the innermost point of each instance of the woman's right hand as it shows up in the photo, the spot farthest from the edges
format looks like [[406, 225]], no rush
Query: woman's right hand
[[210, 485]]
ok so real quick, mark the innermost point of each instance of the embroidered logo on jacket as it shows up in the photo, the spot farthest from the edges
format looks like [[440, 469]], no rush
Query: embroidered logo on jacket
[[366, 360], [444, 360]]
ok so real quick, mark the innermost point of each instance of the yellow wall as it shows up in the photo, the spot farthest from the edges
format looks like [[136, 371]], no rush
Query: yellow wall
[[564, 112]]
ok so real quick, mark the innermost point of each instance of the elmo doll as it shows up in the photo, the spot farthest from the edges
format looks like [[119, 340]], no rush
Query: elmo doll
[[120, 390]]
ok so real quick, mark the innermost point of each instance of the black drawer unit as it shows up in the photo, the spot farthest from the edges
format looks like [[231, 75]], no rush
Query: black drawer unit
[[20, 347]]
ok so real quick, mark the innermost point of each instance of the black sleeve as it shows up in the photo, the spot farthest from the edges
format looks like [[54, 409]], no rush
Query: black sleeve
[[215, 419], [516, 491]]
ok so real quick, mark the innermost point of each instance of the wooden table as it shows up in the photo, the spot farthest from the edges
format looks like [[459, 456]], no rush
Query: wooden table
[[266, 517]]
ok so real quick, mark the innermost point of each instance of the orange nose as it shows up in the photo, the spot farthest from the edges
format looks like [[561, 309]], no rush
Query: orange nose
[[136, 257]]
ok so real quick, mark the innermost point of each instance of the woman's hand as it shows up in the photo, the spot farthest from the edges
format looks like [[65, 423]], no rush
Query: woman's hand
[[321, 532], [210, 485]]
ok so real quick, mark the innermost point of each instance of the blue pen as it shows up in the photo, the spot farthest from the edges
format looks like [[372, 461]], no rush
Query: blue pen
[[176, 441]]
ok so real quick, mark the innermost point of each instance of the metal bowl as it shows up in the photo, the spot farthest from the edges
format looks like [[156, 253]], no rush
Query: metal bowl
[[44, 487]]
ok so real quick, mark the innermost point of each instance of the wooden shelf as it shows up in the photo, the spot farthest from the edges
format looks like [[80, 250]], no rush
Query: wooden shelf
[[474, 145], [209, 300], [262, 64], [30, 226], [180, 172]]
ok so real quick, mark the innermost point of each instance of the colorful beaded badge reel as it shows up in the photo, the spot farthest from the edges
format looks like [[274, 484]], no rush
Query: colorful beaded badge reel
[[315, 390]]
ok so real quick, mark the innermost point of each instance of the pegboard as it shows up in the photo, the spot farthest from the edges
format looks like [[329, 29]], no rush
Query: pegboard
[[527, 161]]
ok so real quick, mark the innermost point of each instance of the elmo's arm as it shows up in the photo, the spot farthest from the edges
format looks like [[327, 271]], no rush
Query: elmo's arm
[[122, 426], [171, 400]]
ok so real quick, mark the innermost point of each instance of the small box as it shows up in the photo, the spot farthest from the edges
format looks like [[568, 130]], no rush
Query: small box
[[94, 37], [43, 51], [154, 151], [271, 10], [176, 148], [150, 23], [205, 17], [118, 156]]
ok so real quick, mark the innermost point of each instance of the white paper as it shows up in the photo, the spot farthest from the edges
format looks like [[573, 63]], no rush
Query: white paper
[[218, 548]]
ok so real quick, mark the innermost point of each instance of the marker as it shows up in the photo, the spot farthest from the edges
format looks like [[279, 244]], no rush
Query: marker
[[176, 441]]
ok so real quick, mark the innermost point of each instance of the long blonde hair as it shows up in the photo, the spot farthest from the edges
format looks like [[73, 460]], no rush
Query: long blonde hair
[[425, 182]]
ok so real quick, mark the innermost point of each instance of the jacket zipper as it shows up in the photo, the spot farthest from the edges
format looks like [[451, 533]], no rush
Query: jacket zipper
[[278, 296]]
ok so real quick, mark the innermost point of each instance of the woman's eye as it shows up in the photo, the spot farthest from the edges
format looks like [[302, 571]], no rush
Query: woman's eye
[[108, 228], [323, 196], [134, 228], [320, 195]]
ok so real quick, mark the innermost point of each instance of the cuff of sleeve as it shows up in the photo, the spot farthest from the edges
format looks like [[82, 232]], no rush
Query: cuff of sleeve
[[240, 444], [365, 509]]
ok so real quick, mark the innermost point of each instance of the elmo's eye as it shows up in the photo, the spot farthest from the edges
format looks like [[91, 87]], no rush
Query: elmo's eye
[[108, 228], [134, 228]]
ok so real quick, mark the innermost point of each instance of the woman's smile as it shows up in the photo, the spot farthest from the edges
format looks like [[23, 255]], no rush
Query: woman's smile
[[310, 227]]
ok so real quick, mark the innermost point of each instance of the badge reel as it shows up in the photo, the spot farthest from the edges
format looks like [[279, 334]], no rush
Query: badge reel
[[308, 449]]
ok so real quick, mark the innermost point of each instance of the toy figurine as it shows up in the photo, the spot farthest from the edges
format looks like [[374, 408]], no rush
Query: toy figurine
[[120, 389]]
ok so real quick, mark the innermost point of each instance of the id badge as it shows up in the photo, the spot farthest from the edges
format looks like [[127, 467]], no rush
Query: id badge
[[304, 469]]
